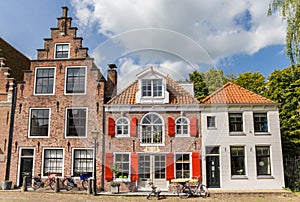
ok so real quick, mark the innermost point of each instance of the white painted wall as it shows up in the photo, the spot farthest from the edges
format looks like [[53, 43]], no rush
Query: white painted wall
[[220, 137]]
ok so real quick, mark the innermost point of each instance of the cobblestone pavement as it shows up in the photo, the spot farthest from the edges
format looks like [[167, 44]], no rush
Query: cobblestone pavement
[[32, 196]]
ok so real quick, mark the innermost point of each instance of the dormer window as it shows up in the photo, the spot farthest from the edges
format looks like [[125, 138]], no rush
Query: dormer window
[[62, 50], [152, 87]]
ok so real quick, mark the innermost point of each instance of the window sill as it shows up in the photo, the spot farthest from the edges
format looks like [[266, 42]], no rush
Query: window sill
[[211, 128], [262, 133], [265, 177], [122, 180], [182, 136], [239, 177], [237, 134], [38, 137], [120, 136]]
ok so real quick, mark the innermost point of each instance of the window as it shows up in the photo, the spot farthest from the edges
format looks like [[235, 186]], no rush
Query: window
[[44, 81], [121, 166], [235, 122], [39, 122], [160, 166], [237, 156], [152, 88], [122, 126], [76, 122], [263, 162], [211, 122], [182, 126], [62, 50], [182, 166], [83, 162], [53, 162], [152, 127], [260, 122], [75, 80]]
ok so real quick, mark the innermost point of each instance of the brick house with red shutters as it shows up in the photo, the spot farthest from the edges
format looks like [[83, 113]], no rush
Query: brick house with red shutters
[[153, 133], [58, 105]]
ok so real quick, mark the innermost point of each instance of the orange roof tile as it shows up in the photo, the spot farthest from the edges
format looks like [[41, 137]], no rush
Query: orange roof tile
[[177, 94], [231, 93]]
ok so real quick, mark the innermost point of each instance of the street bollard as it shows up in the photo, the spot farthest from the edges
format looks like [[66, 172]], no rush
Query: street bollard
[[89, 188], [56, 185], [24, 186]]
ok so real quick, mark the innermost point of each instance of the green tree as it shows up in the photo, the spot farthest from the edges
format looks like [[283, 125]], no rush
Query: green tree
[[254, 82], [214, 79], [200, 88], [290, 11]]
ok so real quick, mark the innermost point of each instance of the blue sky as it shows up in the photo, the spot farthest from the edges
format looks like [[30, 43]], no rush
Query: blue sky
[[232, 35]]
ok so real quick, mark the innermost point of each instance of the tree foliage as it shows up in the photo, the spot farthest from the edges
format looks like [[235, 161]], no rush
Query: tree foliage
[[200, 88], [214, 79], [290, 11], [254, 82]]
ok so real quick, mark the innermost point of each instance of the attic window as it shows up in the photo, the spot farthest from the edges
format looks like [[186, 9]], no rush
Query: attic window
[[152, 88], [62, 50]]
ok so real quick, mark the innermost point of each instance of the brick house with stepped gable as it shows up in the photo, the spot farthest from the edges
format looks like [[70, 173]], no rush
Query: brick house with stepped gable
[[241, 140], [56, 110]]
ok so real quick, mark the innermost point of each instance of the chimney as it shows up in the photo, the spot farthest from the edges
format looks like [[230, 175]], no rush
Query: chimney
[[111, 84], [64, 12]]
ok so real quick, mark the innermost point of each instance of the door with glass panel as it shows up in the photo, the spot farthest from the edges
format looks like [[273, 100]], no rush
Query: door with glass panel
[[152, 167], [212, 167], [26, 165]]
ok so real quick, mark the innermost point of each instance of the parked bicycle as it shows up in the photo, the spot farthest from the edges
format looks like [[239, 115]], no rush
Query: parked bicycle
[[38, 183], [154, 191], [69, 182], [185, 190]]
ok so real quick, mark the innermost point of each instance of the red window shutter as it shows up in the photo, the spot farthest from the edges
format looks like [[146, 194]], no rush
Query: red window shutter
[[169, 166], [134, 167], [193, 127], [196, 164], [133, 127], [111, 127], [171, 127], [109, 158]]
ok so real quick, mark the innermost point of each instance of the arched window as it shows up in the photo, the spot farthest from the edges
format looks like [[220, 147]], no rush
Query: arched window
[[182, 126], [152, 129], [122, 127]]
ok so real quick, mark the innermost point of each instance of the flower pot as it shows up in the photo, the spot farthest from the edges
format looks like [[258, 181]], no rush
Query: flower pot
[[6, 185], [114, 189]]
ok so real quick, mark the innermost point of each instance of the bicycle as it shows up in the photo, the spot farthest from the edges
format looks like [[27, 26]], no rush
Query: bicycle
[[185, 190], [38, 183], [69, 182], [154, 191]]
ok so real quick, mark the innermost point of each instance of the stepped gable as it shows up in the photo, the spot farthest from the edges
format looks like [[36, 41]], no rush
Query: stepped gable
[[177, 94], [231, 93]]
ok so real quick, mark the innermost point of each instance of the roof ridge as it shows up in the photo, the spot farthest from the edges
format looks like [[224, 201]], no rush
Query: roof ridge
[[119, 94], [216, 91]]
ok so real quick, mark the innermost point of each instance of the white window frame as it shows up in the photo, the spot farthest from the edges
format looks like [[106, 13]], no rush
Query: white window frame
[[19, 163], [163, 131], [56, 50], [29, 123], [271, 162], [245, 176], [43, 160], [66, 76], [129, 173], [73, 160], [152, 88], [188, 127], [190, 164], [215, 122], [86, 122], [128, 125], [35, 81]]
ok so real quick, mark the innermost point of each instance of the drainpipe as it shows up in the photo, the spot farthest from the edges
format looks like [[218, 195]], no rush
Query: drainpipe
[[11, 130], [103, 146]]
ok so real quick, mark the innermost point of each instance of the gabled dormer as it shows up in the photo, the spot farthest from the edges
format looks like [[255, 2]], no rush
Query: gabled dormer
[[152, 87]]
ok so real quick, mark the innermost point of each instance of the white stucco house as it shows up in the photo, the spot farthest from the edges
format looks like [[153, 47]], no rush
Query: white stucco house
[[241, 141]]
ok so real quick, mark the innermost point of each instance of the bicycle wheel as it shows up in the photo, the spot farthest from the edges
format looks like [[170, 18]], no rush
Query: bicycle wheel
[[67, 185], [36, 185], [84, 184], [52, 183], [204, 191], [185, 192]]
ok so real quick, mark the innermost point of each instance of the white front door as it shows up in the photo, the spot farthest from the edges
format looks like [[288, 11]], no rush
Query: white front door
[[152, 168]]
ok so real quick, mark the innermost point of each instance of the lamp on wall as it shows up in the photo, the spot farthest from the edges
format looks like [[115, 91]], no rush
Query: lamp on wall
[[95, 134]]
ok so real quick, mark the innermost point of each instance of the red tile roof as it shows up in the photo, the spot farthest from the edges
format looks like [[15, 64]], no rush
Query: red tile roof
[[231, 93], [177, 94]]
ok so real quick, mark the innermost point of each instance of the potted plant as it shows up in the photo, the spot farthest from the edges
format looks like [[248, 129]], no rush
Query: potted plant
[[116, 169], [6, 184]]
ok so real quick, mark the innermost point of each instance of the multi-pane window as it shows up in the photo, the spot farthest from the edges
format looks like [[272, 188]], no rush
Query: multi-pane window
[[62, 51], [260, 122], [235, 122], [44, 81], [83, 162], [182, 166], [39, 122], [75, 80], [122, 127], [237, 157], [76, 122], [152, 88], [53, 162], [211, 122], [263, 162], [182, 126], [160, 166], [144, 167], [121, 166], [152, 127]]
